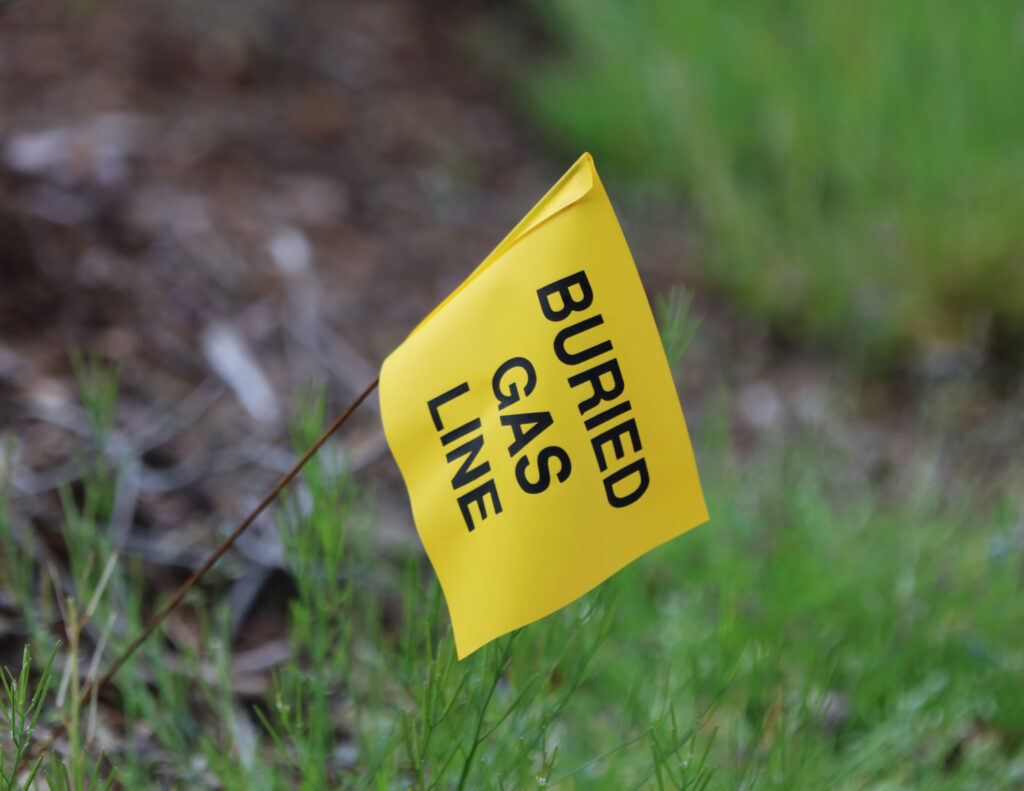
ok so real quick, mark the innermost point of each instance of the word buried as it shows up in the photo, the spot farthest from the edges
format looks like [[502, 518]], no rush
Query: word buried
[[600, 383]]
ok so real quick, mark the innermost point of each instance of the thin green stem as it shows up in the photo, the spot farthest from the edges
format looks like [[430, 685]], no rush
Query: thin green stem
[[477, 739]]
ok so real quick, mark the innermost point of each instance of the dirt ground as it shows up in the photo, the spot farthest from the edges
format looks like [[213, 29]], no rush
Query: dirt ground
[[232, 200]]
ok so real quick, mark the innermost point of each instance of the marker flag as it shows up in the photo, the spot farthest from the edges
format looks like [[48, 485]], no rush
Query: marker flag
[[535, 421]]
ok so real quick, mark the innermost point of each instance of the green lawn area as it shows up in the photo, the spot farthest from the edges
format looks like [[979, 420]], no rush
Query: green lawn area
[[838, 640], [856, 167]]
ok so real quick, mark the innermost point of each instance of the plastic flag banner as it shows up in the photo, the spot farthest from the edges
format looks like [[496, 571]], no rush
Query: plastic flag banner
[[535, 421]]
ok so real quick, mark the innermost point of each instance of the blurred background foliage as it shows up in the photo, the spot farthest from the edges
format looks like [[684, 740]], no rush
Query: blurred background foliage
[[216, 201], [856, 167]]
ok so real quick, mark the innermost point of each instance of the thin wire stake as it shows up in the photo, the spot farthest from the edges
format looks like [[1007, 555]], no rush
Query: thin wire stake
[[226, 544], [91, 688]]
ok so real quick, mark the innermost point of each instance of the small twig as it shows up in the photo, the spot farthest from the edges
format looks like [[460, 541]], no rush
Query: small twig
[[120, 446], [344, 361], [158, 429]]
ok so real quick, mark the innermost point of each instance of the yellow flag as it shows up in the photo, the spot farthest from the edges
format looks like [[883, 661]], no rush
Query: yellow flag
[[535, 421]]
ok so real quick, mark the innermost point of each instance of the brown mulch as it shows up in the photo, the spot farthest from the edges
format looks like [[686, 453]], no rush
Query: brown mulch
[[191, 189]]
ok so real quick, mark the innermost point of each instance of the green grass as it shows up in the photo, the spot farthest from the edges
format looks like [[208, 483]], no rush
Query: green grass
[[814, 635], [854, 643], [856, 167]]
